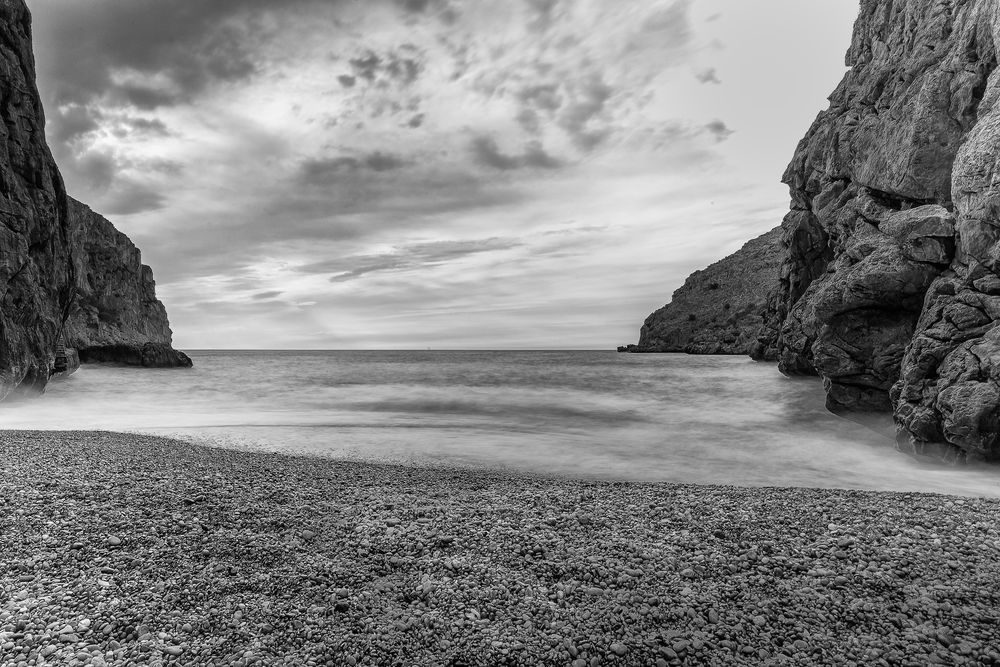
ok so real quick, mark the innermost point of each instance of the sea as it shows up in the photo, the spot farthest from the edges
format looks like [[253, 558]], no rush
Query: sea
[[582, 414]]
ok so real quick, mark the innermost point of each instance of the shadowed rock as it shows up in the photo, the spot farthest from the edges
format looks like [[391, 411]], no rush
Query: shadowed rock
[[116, 316], [67, 277], [718, 309], [889, 284], [35, 269]]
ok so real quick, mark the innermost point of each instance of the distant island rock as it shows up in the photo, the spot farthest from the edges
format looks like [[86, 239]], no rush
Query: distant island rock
[[719, 309], [58, 271], [889, 286]]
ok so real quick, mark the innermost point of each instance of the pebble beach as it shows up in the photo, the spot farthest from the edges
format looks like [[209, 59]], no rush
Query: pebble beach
[[119, 549]]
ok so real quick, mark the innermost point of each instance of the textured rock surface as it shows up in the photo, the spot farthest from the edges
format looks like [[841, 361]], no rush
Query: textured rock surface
[[890, 281], [57, 259], [115, 315], [719, 309], [35, 271]]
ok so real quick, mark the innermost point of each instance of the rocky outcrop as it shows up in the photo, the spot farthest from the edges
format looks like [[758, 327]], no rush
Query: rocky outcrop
[[890, 280], [719, 309], [35, 270], [115, 315], [66, 276]]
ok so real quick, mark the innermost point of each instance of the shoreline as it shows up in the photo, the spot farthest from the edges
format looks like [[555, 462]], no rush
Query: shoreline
[[130, 547]]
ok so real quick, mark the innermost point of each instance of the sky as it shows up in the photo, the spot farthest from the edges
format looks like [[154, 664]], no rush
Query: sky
[[395, 174]]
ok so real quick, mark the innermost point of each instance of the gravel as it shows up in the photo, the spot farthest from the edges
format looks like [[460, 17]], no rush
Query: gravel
[[126, 549]]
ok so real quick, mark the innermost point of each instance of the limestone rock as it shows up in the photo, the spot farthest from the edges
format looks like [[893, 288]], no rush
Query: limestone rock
[[35, 271], [67, 278], [719, 309], [115, 316], [891, 270]]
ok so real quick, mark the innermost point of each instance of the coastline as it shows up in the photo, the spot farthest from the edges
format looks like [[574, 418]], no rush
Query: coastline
[[122, 547]]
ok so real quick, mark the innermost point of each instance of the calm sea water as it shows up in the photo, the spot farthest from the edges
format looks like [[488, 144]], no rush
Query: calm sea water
[[711, 419]]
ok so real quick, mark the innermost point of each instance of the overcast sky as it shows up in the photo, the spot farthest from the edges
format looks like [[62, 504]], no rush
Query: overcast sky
[[431, 173]]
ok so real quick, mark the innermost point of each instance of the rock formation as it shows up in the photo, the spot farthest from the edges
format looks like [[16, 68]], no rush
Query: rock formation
[[35, 269], [719, 309], [48, 257], [890, 283], [115, 314]]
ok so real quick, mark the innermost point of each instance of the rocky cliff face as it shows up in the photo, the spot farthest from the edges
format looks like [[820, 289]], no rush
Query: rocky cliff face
[[64, 272], [890, 280], [115, 314], [35, 269], [719, 309]]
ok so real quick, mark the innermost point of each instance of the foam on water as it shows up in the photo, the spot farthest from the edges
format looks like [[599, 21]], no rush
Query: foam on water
[[721, 420]]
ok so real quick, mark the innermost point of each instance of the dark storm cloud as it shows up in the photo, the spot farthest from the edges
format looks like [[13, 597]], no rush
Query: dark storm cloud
[[413, 256], [346, 81], [101, 58], [174, 49], [486, 153]]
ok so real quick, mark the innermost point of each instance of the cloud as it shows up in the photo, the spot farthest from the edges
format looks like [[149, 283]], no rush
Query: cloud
[[149, 53], [667, 28], [323, 171], [578, 118], [326, 144], [98, 168], [718, 130], [707, 75], [401, 67], [409, 257], [486, 153], [543, 13], [128, 198]]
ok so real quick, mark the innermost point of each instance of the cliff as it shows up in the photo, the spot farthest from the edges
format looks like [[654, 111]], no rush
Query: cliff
[[890, 278], [115, 314], [719, 309], [35, 269], [64, 275]]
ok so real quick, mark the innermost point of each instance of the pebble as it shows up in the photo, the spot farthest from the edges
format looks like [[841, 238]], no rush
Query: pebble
[[480, 563]]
